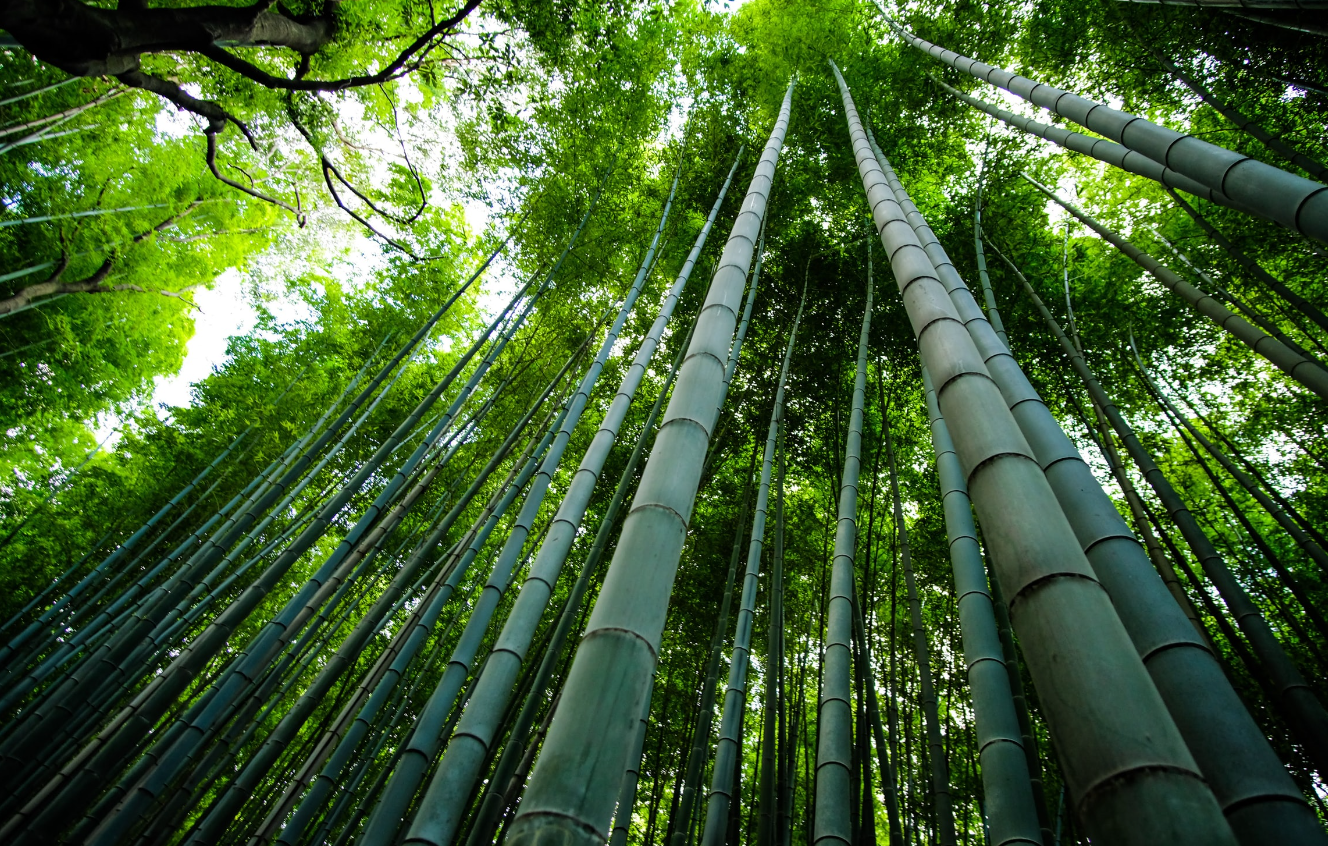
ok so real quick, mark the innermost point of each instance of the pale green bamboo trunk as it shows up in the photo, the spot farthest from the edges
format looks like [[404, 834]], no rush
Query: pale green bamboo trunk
[[574, 786], [1007, 788], [443, 805], [1104, 712], [834, 726], [714, 828], [941, 791], [1257, 791], [1295, 202], [427, 736], [1257, 794]]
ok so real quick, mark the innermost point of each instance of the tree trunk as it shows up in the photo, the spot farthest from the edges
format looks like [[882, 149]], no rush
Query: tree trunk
[[1006, 780], [942, 799], [834, 725]]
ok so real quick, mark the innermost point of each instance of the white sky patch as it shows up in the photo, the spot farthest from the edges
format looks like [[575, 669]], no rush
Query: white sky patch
[[223, 310]]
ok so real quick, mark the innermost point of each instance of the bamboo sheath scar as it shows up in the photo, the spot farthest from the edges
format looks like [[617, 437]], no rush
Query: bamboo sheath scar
[[574, 786], [1303, 710], [1125, 764], [834, 747], [1279, 354], [697, 756], [1293, 201], [443, 807]]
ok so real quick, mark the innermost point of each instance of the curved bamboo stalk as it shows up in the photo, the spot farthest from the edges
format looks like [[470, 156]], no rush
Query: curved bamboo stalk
[[1286, 506], [1266, 778], [385, 607], [1293, 201], [1311, 549], [1058, 607], [1249, 310], [834, 725], [1278, 354], [239, 524], [573, 787]]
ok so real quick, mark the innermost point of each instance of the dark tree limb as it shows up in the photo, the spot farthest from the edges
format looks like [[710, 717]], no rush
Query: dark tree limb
[[212, 166], [85, 40], [406, 61]]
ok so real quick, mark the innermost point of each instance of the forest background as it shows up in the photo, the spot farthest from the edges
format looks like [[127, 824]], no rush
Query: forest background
[[361, 210]]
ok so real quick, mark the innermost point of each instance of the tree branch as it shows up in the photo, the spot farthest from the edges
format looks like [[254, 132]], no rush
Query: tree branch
[[406, 60], [212, 166]]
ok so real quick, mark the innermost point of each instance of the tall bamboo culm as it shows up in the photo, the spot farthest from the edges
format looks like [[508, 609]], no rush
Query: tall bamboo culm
[[1007, 788], [574, 786], [834, 725], [427, 736], [1295, 202], [1173, 652], [941, 792], [444, 804], [1126, 766], [714, 829], [1259, 795]]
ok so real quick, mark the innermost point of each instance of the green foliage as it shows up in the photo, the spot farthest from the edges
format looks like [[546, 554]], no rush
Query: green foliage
[[556, 102]]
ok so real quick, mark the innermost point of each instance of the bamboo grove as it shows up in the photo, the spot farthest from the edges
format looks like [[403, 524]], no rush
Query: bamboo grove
[[832, 437]]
